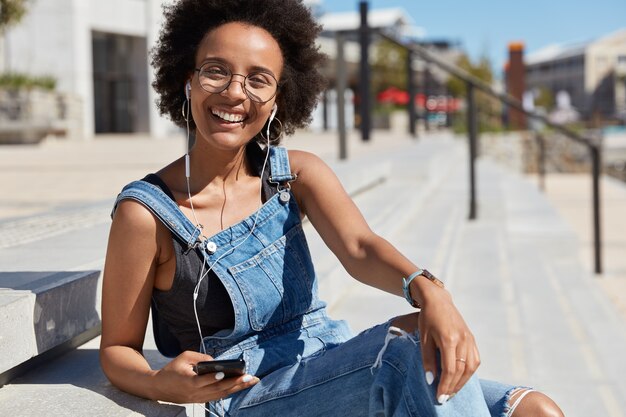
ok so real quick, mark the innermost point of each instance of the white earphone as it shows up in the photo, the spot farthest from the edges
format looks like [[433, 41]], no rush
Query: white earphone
[[188, 90], [274, 110], [272, 115]]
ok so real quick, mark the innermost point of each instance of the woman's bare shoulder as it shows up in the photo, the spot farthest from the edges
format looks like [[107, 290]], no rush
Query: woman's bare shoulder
[[133, 215], [303, 163]]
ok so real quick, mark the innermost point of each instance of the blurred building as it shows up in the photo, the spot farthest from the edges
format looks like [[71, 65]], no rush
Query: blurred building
[[592, 73], [515, 81], [97, 50], [396, 22]]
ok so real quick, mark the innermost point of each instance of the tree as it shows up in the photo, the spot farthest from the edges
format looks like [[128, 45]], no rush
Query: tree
[[11, 12], [489, 108], [544, 98], [481, 70], [389, 66]]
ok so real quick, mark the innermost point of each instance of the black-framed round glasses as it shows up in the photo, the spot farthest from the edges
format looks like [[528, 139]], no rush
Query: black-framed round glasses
[[259, 86]]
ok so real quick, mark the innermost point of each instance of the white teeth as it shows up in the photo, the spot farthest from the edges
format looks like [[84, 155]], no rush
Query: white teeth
[[228, 116]]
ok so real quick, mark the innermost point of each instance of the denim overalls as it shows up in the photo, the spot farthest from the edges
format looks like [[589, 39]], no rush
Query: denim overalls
[[309, 365]]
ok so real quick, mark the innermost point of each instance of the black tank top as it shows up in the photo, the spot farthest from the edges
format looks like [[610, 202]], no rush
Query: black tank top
[[215, 310]]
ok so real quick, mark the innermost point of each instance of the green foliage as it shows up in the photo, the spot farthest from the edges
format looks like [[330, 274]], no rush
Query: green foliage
[[486, 123], [11, 12], [18, 81], [388, 66], [489, 108], [481, 70], [545, 99]]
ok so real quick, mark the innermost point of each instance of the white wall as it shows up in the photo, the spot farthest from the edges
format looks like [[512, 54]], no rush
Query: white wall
[[42, 44], [160, 126], [55, 39]]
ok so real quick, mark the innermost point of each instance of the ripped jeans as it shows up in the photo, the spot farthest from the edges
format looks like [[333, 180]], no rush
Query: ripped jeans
[[375, 373]]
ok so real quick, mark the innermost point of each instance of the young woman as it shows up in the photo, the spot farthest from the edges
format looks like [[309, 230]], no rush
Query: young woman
[[236, 73]]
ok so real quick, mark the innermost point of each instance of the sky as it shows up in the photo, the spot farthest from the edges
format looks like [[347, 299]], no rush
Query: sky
[[486, 27]]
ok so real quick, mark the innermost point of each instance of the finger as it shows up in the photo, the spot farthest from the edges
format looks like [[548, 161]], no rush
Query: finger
[[429, 361], [227, 386], [473, 361], [244, 382], [448, 373], [193, 357], [463, 363], [476, 355], [189, 359], [209, 379]]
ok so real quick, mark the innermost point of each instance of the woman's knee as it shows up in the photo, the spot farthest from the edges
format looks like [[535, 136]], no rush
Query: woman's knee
[[535, 404]]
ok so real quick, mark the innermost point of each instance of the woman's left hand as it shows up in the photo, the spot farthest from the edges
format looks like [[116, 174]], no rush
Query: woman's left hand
[[442, 328]]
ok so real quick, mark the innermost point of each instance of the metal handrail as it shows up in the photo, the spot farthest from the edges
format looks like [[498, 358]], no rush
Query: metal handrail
[[476, 83]]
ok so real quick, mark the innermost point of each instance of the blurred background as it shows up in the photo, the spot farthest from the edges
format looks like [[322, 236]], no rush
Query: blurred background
[[77, 69], [485, 139]]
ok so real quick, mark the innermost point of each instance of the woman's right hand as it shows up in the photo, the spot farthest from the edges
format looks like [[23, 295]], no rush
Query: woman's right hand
[[178, 383]]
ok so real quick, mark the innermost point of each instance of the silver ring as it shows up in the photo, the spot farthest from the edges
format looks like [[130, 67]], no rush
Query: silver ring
[[461, 360]]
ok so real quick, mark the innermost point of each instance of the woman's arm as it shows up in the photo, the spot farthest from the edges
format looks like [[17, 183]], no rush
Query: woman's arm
[[374, 261], [365, 255], [130, 267]]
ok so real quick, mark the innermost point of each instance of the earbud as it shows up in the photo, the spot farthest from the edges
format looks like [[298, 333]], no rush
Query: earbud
[[188, 90], [274, 110]]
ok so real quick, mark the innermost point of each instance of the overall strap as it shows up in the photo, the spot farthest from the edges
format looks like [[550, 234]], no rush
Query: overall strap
[[279, 166], [166, 210]]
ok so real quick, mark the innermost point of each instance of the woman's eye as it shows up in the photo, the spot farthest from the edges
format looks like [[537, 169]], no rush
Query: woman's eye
[[215, 72], [260, 80]]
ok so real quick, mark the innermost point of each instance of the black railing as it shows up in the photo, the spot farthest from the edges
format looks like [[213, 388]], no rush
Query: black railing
[[473, 83]]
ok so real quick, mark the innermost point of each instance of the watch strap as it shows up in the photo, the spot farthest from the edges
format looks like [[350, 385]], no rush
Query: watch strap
[[406, 282]]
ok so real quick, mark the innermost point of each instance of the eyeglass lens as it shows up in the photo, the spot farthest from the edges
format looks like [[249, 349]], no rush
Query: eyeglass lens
[[259, 86]]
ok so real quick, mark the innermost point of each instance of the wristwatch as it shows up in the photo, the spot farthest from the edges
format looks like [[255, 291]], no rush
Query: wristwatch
[[407, 281]]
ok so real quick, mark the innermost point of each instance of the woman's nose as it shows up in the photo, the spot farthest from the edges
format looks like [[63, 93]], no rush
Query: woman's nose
[[236, 88]]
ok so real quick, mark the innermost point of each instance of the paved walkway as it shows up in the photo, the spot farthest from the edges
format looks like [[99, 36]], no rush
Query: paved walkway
[[516, 272], [570, 194]]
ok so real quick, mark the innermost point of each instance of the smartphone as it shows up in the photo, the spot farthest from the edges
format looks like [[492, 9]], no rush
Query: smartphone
[[230, 367]]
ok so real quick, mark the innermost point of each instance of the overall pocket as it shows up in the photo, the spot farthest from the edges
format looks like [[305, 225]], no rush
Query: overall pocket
[[277, 283]]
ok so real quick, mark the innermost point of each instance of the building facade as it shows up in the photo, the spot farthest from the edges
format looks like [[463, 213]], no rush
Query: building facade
[[592, 73], [98, 51]]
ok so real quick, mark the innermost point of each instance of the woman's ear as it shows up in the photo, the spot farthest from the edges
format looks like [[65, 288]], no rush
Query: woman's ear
[[188, 89]]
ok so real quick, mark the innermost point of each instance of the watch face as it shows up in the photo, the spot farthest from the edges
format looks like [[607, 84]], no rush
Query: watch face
[[434, 279]]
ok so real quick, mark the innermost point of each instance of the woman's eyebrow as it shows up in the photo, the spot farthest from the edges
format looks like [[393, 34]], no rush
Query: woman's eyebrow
[[225, 62]]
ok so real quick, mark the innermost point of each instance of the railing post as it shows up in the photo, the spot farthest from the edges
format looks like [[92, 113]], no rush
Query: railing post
[[472, 130], [541, 161], [595, 169], [364, 82], [426, 89], [411, 91], [341, 91]]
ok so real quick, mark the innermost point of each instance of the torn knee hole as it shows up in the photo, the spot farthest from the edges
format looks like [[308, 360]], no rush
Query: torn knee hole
[[393, 333], [515, 397]]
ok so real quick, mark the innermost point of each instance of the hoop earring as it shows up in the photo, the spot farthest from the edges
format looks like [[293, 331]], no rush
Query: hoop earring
[[280, 132], [185, 110]]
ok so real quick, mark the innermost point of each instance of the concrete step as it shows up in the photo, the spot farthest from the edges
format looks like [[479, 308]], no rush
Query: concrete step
[[41, 312], [74, 385], [51, 389], [516, 276], [386, 209]]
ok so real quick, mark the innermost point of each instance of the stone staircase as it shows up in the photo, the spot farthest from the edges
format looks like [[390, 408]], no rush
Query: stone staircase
[[515, 274]]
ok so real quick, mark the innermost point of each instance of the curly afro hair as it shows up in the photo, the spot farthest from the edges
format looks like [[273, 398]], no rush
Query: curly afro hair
[[288, 21]]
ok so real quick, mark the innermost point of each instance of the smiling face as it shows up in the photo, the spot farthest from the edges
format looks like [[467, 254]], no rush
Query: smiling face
[[228, 119]]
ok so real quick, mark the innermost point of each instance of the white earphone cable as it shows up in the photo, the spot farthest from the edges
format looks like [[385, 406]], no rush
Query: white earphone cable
[[203, 273]]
